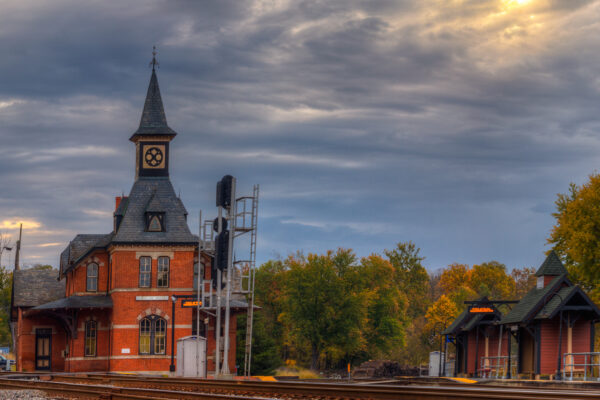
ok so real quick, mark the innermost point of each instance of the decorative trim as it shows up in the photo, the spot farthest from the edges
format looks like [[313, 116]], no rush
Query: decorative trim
[[151, 290], [125, 326], [132, 357], [150, 247], [154, 254], [151, 298]]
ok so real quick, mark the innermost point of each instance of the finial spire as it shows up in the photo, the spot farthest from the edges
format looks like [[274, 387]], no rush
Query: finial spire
[[154, 62]]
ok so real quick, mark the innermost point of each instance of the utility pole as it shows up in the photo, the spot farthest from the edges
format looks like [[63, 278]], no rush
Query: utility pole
[[18, 249]]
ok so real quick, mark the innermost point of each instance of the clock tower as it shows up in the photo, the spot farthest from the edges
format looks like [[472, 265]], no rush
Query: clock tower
[[153, 136]]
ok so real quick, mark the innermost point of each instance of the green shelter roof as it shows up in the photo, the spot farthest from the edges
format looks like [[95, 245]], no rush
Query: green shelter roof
[[551, 266], [531, 302]]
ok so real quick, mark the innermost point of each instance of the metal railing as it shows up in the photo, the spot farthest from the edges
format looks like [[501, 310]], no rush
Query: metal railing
[[586, 365], [497, 367]]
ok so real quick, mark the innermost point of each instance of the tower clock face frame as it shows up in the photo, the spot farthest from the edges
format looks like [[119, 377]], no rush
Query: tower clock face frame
[[153, 158]]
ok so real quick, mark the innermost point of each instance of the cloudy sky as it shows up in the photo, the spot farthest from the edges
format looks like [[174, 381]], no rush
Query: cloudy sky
[[451, 123]]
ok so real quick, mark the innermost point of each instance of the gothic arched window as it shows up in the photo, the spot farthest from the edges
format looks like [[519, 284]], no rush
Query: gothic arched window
[[153, 335]]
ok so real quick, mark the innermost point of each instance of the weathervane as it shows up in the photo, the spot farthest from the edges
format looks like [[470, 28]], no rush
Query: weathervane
[[154, 62]]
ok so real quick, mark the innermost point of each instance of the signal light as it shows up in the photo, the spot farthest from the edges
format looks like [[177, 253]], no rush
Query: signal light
[[222, 250], [213, 274], [216, 224], [224, 188]]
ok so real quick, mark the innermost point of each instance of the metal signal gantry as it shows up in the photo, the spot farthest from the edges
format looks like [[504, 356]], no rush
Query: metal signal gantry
[[235, 276]]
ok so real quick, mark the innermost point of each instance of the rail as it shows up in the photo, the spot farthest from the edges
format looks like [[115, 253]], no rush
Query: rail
[[497, 367], [126, 387], [586, 365]]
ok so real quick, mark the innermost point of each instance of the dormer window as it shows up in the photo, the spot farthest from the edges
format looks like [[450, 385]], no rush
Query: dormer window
[[540, 282], [155, 222]]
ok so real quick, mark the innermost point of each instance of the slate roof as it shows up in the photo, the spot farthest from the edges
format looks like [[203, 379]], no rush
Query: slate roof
[[80, 247], [133, 226], [32, 287], [525, 308], [552, 266], [122, 206], [154, 205], [555, 302], [458, 323], [148, 194], [95, 301], [154, 120]]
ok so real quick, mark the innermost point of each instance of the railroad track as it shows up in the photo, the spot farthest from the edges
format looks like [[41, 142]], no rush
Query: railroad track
[[135, 387]]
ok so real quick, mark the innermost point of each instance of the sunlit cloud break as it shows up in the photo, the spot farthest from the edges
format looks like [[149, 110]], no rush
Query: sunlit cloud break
[[16, 223]]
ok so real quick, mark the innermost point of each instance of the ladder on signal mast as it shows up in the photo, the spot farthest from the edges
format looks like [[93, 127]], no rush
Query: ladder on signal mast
[[246, 222]]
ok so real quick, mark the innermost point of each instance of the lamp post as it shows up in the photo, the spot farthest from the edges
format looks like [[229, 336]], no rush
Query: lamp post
[[439, 331], [2, 251], [559, 374]]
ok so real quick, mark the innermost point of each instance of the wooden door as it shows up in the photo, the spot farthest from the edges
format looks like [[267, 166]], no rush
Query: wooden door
[[43, 349]]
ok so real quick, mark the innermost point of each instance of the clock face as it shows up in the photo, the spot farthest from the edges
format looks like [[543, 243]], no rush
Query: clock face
[[153, 156]]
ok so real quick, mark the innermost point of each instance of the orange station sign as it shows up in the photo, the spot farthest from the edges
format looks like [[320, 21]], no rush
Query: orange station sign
[[190, 303], [481, 310]]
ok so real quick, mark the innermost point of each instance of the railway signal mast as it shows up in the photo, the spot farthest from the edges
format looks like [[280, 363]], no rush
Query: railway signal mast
[[237, 216]]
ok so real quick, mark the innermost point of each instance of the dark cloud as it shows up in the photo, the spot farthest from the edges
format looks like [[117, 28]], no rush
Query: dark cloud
[[451, 124]]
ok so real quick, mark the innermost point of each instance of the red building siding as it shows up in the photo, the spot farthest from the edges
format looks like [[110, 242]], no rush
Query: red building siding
[[493, 340], [549, 342]]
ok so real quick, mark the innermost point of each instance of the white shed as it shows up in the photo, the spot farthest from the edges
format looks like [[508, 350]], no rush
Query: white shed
[[191, 356]]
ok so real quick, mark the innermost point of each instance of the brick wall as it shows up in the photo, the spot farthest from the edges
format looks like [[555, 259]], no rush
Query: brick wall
[[118, 328]]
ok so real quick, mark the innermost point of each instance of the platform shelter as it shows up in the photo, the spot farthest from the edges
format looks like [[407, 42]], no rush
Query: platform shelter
[[553, 320]]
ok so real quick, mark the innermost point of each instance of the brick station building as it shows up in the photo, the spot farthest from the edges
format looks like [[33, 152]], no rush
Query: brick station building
[[109, 307], [554, 318]]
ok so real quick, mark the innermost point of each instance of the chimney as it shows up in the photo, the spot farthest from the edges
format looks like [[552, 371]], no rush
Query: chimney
[[117, 202]]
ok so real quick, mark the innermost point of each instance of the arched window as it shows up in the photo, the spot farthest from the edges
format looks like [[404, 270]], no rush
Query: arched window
[[160, 336], [90, 338], [153, 335], [145, 271], [145, 335], [92, 277], [162, 277]]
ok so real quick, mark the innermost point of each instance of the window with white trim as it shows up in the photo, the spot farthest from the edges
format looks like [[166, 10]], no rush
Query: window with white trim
[[92, 277]]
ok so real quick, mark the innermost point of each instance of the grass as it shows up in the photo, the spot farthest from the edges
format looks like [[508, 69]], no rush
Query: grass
[[301, 373]]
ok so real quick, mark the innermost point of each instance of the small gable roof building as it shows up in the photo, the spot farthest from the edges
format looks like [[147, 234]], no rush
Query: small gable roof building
[[552, 320]]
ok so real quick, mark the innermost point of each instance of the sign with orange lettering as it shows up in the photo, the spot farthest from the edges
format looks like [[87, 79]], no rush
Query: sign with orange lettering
[[481, 310], [190, 303]]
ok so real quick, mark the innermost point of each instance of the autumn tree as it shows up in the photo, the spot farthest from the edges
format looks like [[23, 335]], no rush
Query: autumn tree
[[524, 280], [576, 233], [455, 284], [491, 279], [440, 314]]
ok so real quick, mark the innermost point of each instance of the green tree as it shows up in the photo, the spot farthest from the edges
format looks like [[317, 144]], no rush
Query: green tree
[[386, 310], [5, 295], [268, 333], [491, 279], [411, 277], [323, 306]]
